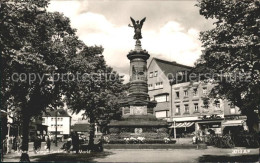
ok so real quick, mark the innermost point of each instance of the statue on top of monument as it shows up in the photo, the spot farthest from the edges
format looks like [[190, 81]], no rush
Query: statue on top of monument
[[137, 26]]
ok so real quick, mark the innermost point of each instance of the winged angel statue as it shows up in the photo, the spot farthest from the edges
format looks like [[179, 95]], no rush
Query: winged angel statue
[[137, 26]]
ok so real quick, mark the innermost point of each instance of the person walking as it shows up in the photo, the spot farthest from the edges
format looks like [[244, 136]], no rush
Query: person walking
[[48, 144], [19, 143], [35, 144], [75, 142]]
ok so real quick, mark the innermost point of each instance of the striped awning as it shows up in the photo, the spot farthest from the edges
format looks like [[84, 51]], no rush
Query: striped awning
[[181, 125]]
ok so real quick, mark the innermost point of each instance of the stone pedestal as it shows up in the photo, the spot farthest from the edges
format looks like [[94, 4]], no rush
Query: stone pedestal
[[137, 109]]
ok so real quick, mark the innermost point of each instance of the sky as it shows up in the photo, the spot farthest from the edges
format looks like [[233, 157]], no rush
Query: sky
[[170, 32]]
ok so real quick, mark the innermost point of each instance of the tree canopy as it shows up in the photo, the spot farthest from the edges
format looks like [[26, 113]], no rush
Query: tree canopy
[[97, 88], [42, 60], [231, 53]]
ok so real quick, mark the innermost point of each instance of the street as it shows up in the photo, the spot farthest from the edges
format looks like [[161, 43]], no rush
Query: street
[[145, 155]]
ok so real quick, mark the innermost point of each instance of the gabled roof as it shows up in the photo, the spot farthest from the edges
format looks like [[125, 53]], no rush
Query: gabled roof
[[60, 113], [170, 67]]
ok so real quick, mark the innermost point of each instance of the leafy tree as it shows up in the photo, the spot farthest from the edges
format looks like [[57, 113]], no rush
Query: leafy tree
[[232, 51], [97, 88], [33, 41]]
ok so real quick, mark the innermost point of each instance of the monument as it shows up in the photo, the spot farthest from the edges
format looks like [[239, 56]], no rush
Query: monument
[[137, 109]]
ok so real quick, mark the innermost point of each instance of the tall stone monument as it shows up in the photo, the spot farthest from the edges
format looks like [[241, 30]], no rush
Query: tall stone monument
[[137, 109]]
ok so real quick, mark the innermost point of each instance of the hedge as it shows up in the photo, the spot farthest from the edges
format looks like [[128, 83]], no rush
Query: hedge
[[146, 141]]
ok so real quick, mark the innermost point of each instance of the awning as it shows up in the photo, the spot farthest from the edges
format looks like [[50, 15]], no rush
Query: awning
[[184, 124], [233, 123]]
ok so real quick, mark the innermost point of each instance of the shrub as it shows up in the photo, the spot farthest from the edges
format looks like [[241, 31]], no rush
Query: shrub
[[162, 130], [114, 130]]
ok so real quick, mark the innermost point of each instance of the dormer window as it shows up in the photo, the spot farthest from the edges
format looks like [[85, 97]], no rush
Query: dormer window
[[155, 73], [151, 74]]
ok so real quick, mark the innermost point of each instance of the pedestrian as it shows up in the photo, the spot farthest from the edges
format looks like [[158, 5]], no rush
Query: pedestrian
[[19, 143], [15, 144], [48, 144], [39, 143], [10, 144], [75, 142], [35, 144]]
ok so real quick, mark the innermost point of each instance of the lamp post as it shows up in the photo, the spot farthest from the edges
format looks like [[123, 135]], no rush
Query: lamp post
[[56, 129], [171, 82]]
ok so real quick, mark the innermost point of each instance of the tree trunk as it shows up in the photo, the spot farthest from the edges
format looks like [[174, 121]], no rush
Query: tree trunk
[[91, 133], [25, 140], [252, 121]]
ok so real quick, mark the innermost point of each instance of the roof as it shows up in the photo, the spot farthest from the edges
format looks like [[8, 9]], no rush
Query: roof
[[233, 123], [80, 127], [170, 67], [61, 113]]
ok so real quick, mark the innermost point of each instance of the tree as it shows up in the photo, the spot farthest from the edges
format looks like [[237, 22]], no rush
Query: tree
[[97, 88], [232, 52], [37, 44]]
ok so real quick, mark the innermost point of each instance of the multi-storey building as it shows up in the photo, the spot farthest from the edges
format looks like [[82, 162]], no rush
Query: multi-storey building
[[193, 110], [63, 122], [159, 88], [185, 104]]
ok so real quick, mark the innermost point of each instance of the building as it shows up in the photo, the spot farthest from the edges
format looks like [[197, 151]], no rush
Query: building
[[193, 110], [63, 122], [159, 88], [186, 105]]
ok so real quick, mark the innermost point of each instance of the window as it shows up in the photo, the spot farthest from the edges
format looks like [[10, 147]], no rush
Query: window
[[159, 85], [195, 91], [161, 98], [196, 107], [232, 111], [186, 108], [217, 104], [161, 114], [177, 111], [61, 119], [151, 74], [155, 73], [204, 91], [177, 94], [185, 93], [58, 119], [43, 120], [52, 119], [150, 86]]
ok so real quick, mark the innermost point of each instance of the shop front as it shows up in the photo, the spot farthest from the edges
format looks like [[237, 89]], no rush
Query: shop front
[[209, 127]]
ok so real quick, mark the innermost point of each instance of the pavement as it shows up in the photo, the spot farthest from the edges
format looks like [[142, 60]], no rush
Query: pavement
[[211, 154]]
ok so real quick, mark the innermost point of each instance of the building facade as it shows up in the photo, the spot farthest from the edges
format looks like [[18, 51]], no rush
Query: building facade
[[63, 122], [186, 105], [159, 88], [193, 110]]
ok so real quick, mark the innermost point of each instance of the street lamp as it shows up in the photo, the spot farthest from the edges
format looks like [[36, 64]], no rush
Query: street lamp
[[171, 82]]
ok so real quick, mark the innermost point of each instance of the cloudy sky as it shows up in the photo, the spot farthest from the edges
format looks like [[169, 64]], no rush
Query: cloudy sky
[[170, 32]]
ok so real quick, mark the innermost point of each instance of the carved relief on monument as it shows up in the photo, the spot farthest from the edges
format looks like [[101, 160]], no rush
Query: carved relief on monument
[[139, 110], [139, 72]]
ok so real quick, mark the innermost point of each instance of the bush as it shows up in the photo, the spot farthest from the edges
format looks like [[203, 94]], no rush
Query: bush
[[245, 139], [114, 130], [162, 130], [146, 141]]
